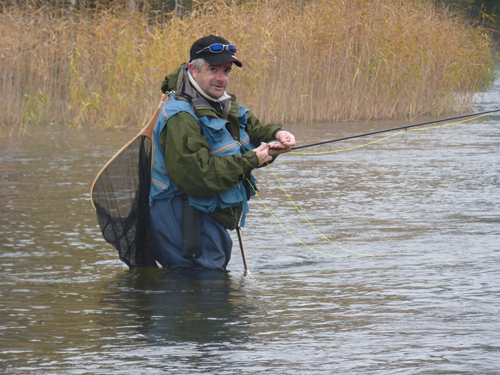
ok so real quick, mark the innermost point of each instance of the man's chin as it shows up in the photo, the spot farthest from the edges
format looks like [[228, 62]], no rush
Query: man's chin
[[216, 94]]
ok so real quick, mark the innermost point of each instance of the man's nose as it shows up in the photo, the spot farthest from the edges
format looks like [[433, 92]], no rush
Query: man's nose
[[221, 76]]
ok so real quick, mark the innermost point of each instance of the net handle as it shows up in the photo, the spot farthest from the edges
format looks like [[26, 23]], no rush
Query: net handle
[[146, 131]]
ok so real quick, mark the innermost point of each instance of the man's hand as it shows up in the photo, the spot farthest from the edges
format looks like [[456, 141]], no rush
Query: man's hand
[[263, 153], [286, 141], [286, 138]]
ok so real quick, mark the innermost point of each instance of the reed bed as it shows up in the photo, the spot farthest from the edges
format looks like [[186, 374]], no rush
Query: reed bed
[[323, 60]]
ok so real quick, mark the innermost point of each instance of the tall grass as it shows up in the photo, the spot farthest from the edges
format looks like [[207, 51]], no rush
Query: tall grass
[[323, 60]]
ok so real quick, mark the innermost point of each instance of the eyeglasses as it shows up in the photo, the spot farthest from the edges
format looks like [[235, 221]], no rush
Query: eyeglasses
[[218, 48]]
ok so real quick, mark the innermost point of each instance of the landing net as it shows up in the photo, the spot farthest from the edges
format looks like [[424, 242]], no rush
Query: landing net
[[120, 196]]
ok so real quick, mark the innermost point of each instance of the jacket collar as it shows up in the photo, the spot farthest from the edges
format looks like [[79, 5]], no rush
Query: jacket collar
[[200, 99]]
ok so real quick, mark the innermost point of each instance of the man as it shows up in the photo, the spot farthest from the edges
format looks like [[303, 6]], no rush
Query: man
[[206, 145]]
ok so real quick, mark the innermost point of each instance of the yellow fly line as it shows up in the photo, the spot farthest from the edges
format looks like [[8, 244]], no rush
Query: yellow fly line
[[308, 222], [331, 152], [290, 233]]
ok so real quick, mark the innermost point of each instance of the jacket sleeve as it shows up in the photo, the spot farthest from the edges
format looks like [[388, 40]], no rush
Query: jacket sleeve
[[189, 165], [259, 133]]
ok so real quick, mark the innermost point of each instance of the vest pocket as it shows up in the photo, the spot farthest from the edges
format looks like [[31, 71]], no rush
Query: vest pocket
[[215, 131], [162, 185], [203, 204], [231, 198]]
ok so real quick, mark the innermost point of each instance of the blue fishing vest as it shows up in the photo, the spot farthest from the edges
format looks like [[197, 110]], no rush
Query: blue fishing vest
[[220, 142]]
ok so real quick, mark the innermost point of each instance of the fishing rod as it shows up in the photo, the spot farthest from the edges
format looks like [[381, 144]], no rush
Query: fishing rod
[[386, 130]]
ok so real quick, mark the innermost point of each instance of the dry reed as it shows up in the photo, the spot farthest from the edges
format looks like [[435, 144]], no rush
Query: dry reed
[[312, 61]]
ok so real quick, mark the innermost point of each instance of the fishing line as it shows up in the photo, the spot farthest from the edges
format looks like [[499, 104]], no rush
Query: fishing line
[[308, 222], [286, 229]]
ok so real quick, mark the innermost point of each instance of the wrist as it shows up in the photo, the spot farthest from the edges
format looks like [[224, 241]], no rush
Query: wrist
[[276, 133], [252, 160]]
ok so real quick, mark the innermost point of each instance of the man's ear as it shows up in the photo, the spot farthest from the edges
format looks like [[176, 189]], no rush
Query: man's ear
[[193, 70]]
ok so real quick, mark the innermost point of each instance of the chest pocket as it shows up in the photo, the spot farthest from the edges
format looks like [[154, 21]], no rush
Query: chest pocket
[[219, 139]]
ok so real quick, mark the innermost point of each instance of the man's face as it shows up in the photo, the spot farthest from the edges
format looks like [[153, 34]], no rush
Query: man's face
[[212, 79]]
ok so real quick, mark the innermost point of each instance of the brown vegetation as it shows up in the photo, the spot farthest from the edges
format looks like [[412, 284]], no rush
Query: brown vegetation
[[312, 61]]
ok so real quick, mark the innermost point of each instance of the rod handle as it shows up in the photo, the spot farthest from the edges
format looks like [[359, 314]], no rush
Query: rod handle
[[277, 151]]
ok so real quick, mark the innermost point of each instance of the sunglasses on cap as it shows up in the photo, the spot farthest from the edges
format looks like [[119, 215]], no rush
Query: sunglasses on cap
[[219, 47]]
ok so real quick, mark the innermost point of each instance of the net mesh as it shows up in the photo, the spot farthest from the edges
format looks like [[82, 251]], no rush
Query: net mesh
[[121, 199]]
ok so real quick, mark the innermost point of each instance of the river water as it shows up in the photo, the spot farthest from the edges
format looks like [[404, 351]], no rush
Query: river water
[[425, 203]]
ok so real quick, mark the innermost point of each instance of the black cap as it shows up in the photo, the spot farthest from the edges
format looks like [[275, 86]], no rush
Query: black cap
[[210, 57]]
